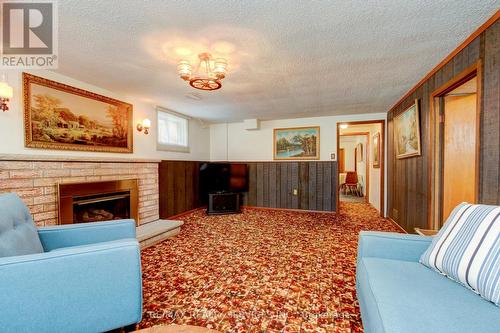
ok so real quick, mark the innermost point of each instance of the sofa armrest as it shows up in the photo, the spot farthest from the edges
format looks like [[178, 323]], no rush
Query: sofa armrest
[[92, 288], [54, 237], [389, 245]]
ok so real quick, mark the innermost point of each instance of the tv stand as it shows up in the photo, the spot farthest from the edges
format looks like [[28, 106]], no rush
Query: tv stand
[[220, 203]]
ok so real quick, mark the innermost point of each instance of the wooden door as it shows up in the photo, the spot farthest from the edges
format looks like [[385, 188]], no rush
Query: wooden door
[[341, 160], [459, 151]]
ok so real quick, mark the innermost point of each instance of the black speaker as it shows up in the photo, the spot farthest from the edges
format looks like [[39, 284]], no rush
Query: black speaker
[[223, 203]]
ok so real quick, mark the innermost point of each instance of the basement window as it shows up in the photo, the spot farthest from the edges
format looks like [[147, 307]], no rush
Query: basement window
[[173, 131]]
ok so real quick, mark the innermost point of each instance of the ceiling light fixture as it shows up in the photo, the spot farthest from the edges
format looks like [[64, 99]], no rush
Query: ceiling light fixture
[[208, 74], [344, 126]]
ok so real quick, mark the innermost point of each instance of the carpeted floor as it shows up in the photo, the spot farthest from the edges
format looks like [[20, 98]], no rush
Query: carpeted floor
[[260, 271]]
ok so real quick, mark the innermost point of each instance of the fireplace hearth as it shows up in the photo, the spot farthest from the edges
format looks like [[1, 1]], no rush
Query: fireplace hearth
[[97, 201]]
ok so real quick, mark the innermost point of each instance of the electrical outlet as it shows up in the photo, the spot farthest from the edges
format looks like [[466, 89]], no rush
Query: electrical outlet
[[295, 191]]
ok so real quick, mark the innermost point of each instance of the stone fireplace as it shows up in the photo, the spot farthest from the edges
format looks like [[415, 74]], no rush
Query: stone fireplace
[[98, 201]]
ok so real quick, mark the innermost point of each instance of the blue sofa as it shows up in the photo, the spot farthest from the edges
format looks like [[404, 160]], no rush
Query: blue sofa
[[87, 280], [398, 294]]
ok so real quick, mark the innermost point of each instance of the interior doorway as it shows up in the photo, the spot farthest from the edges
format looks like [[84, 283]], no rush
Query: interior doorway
[[360, 148], [456, 113]]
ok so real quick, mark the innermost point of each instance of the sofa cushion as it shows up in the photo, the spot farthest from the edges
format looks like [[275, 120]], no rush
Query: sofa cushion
[[18, 235], [403, 296], [467, 249]]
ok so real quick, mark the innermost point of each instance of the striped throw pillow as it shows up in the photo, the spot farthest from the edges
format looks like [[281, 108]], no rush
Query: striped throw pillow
[[467, 249]]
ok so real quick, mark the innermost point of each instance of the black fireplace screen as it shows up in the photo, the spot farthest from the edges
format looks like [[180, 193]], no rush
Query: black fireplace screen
[[102, 207]]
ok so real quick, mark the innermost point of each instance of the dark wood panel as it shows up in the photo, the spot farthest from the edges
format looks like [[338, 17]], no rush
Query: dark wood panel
[[178, 187], [271, 184], [275, 182], [409, 180]]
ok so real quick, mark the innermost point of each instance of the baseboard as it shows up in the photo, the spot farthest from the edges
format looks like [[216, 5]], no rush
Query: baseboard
[[290, 210], [397, 225], [187, 212]]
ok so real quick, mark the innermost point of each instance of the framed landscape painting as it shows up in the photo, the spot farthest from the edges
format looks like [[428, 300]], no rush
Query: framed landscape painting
[[376, 151], [299, 143], [407, 132], [58, 116]]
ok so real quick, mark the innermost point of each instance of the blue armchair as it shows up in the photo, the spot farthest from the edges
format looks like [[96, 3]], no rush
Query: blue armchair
[[87, 279]]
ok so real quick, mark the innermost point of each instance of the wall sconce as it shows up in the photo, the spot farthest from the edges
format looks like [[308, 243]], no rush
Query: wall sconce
[[145, 125], [6, 93]]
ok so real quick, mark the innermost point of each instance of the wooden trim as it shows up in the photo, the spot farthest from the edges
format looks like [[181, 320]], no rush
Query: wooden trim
[[464, 44], [396, 224], [290, 210], [177, 216], [355, 134], [435, 166], [382, 123], [307, 158]]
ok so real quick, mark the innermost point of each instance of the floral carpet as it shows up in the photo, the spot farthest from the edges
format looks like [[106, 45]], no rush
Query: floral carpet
[[259, 271]]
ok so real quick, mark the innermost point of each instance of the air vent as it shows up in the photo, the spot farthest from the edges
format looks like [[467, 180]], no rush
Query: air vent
[[194, 96]]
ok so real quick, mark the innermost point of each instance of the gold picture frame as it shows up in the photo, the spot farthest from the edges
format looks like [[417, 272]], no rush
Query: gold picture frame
[[62, 117], [376, 151], [407, 132], [296, 143]]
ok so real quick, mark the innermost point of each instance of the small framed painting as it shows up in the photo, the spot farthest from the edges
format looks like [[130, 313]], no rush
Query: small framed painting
[[376, 151], [299, 143], [407, 132], [58, 116]]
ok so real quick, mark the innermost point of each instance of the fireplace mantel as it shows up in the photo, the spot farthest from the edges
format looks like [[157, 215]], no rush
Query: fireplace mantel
[[59, 158]]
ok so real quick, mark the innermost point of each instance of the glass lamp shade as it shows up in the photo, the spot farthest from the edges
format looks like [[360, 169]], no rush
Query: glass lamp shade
[[146, 123], [6, 91], [220, 68], [184, 69]]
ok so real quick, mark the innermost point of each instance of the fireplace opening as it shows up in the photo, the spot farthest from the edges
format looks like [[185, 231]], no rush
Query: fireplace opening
[[106, 207], [98, 201]]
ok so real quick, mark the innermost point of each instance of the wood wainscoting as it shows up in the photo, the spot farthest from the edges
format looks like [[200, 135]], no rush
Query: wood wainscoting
[[410, 180], [271, 185], [179, 187]]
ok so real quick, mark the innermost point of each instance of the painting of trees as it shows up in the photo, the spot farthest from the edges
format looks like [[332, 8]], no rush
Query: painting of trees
[[120, 121], [65, 117]]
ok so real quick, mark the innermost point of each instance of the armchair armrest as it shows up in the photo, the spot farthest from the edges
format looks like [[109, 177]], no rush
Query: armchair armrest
[[90, 288], [54, 237], [389, 245]]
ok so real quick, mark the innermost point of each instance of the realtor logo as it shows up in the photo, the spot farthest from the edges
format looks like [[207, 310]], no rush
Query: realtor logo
[[29, 34]]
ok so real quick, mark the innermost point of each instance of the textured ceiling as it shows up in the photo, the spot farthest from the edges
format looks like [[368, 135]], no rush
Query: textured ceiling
[[287, 58]]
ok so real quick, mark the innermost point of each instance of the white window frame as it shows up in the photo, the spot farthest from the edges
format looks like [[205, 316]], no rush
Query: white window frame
[[171, 147]]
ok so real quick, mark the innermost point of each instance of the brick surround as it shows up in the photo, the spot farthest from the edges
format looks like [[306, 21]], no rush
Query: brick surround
[[36, 183]]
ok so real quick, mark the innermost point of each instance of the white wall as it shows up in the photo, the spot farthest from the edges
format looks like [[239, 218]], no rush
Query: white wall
[[232, 142], [12, 126]]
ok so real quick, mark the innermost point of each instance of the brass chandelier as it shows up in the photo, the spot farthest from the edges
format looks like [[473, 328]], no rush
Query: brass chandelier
[[208, 74]]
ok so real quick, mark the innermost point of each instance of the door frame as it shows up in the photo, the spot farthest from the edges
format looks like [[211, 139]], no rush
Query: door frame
[[382, 158], [436, 149], [367, 172]]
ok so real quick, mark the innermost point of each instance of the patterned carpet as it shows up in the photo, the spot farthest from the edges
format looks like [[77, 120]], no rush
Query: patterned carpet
[[260, 271]]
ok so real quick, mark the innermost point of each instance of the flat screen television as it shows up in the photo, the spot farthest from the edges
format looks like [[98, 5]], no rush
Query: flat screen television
[[222, 177]]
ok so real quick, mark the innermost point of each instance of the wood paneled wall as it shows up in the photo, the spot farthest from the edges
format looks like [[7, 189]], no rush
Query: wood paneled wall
[[271, 184], [178, 187], [408, 179]]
